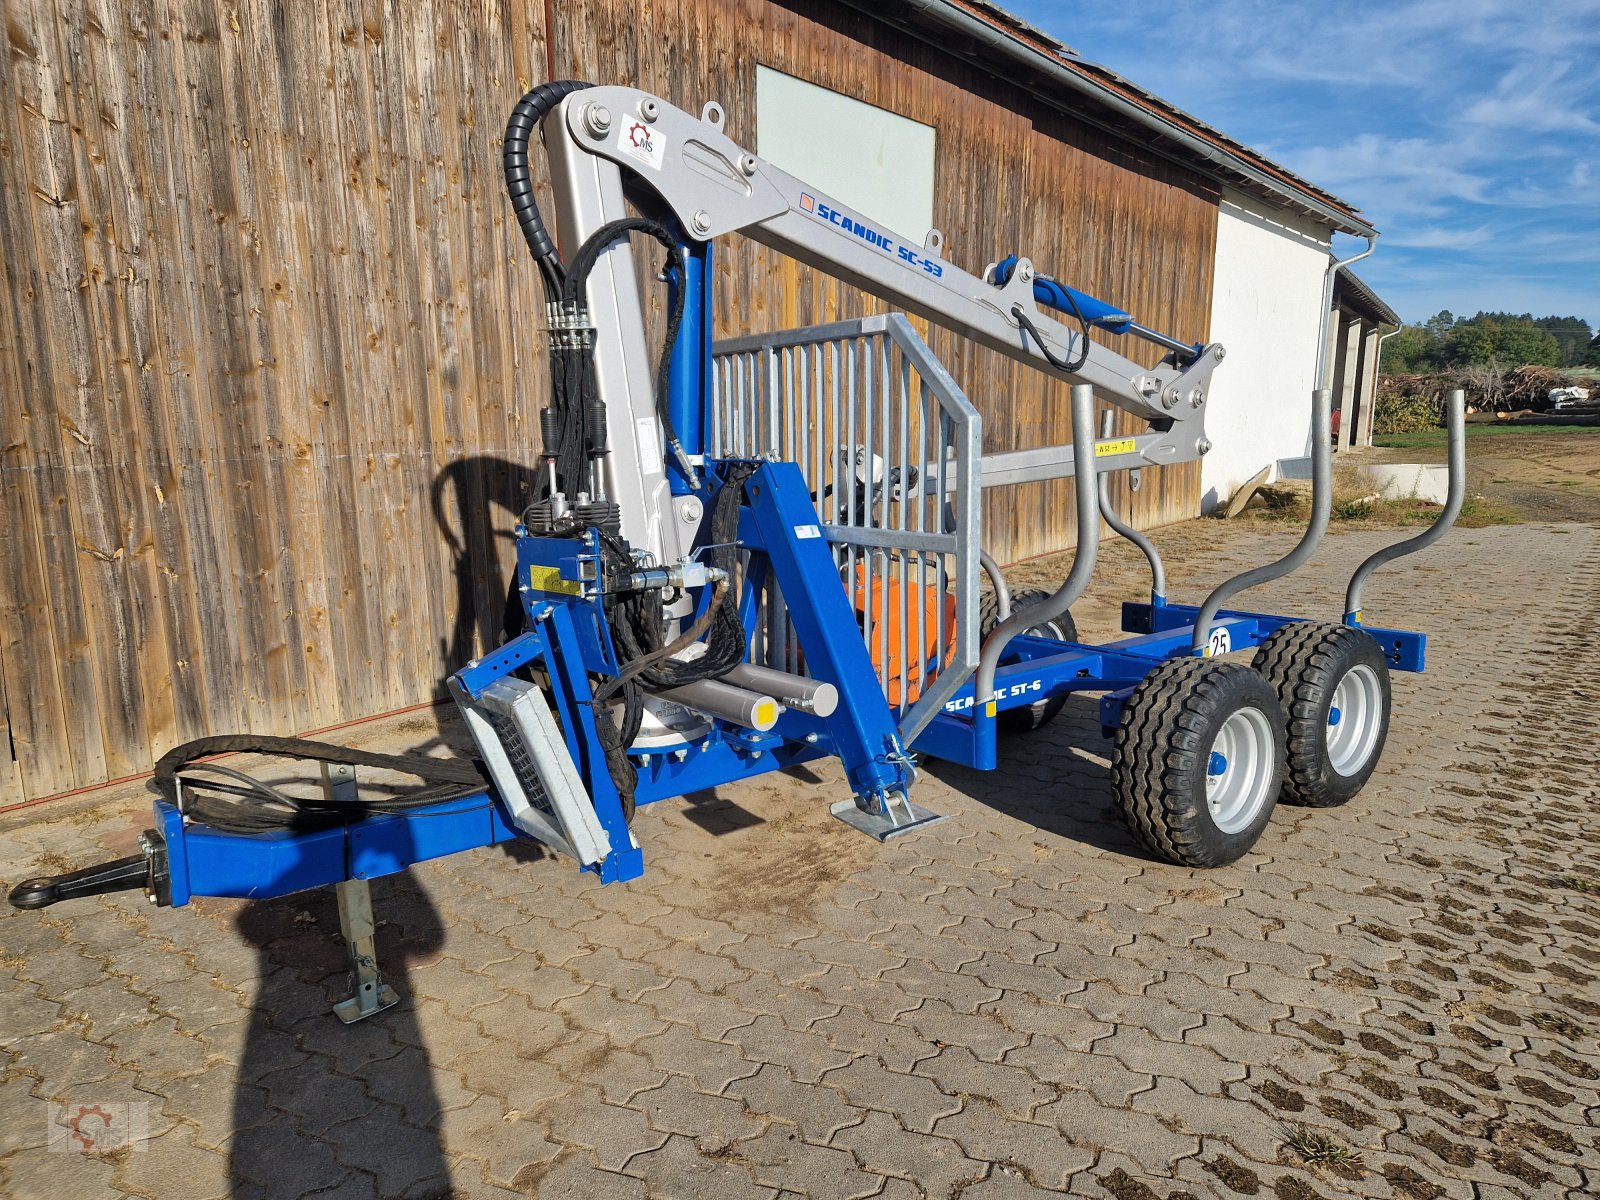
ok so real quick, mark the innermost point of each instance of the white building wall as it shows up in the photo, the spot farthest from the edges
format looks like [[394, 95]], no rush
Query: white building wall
[[1266, 309]]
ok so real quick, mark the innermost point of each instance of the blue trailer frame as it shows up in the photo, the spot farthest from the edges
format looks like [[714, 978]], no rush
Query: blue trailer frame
[[568, 639]]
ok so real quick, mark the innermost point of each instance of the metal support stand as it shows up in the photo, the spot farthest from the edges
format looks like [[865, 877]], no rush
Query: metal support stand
[[898, 816], [369, 994]]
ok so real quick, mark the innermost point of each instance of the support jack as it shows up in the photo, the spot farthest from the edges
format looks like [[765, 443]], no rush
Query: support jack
[[369, 993], [898, 816]]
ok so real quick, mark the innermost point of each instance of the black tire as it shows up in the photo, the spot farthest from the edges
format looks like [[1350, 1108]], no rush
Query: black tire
[[1335, 738], [1163, 752], [1028, 717]]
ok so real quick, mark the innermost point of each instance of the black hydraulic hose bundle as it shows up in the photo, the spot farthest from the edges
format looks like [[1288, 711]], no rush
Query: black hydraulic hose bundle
[[526, 117], [578, 413], [575, 440], [241, 803]]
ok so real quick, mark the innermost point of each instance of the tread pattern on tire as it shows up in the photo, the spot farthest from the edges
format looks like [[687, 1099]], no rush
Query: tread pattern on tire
[[1281, 659], [1162, 735]]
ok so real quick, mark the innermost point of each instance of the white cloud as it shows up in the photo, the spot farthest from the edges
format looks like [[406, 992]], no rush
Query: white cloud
[[1441, 238], [1532, 98]]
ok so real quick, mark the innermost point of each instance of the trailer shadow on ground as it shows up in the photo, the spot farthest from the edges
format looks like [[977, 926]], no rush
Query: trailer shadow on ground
[[1055, 778]]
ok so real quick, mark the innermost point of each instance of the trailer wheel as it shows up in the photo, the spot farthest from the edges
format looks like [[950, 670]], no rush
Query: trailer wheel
[[1027, 718], [1333, 683], [1197, 760]]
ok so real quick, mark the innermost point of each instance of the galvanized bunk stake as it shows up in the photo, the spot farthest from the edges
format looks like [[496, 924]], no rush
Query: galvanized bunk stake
[[1456, 424], [1158, 570], [1321, 510]]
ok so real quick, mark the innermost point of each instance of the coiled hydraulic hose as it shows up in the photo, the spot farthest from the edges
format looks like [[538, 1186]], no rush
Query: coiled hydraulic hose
[[525, 118]]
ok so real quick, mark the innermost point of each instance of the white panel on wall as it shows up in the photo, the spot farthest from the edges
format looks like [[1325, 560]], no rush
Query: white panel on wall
[[872, 160], [1266, 309]]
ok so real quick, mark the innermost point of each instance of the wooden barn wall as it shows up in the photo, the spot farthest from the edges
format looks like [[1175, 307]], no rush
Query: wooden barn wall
[[269, 365], [270, 372], [1010, 176]]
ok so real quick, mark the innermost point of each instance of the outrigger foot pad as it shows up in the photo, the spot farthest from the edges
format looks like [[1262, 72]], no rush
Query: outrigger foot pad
[[900, 817], [124, 874]]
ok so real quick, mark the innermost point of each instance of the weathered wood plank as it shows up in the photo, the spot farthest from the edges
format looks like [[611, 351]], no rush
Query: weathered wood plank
[[297, 389], [60, 369], [29, 657]]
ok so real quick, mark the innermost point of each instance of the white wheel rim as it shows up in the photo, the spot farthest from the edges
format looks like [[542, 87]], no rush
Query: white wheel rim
[[1240, 770], [1355, 718]]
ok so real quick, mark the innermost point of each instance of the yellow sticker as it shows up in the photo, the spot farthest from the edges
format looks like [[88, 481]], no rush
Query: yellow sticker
[[989, 709], [548, 579], [1120, 446]]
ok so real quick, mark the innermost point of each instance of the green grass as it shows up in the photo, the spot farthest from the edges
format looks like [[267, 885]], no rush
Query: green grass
[[1317, 1147], [1476, 511], [1430, 439]]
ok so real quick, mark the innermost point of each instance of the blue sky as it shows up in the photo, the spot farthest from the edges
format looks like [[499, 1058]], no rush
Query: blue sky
[[1468, 131]]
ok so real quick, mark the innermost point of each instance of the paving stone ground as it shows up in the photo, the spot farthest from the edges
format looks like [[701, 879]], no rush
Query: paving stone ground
[[1016, 1002]]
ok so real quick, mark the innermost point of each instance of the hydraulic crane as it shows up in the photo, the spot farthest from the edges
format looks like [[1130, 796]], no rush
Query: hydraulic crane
[[752, 553]]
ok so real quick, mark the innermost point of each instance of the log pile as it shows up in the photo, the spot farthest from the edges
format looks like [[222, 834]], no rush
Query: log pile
[[1488, 388]]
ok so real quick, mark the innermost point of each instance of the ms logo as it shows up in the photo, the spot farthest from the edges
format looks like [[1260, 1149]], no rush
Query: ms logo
[[98, 1128]]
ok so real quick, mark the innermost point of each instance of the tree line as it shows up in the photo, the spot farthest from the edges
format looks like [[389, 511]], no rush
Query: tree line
[[1445, 341]]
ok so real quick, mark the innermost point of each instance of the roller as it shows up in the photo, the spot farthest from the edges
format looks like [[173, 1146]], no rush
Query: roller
[[792, 691], [730, 703]]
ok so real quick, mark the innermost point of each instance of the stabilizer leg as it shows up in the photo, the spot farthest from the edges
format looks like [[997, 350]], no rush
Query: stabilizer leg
[[369, 994]]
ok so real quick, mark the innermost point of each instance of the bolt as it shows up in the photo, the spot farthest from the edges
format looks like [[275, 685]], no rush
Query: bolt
[[1203, 446], [1025, 273], [811, 739], [1219, 354], [690, 511], [701, 221], [748, 164], [1169, 397], [755, 754], [597, 120], [1197, 397], [649, 109]]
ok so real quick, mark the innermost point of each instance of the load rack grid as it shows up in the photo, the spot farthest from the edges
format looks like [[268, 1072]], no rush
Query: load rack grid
[[758, 552]]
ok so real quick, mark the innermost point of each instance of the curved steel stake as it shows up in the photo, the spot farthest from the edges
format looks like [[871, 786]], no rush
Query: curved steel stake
[[1158, 570], [1321, 509], [1456, 423], [1084, 554]]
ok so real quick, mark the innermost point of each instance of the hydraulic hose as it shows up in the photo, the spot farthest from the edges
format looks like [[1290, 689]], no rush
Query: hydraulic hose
[[525, 118]]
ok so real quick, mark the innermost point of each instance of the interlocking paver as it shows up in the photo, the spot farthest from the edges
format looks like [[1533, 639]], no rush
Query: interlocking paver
[[985, 1134], [816, 1111], [1093, 1126], [677, 1171], [613, 1132], [1405, 974], [507, 1143], [958, 1072], [914, 1099], [936, 1165], [806, 1055], [714, 1122], [779, 1158], [574, 1177]]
